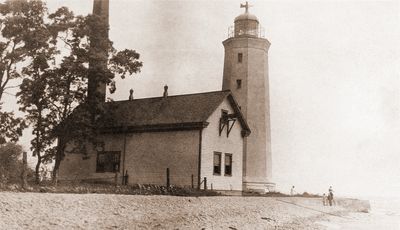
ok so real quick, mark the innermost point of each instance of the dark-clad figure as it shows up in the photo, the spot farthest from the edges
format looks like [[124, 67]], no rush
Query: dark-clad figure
[[330, 196]]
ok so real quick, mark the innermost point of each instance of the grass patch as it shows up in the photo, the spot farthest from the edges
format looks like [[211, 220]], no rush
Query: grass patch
[[103, 188], [279, 194]]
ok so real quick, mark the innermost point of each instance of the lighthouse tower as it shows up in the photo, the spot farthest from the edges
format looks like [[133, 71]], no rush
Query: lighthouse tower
[[246, 75]]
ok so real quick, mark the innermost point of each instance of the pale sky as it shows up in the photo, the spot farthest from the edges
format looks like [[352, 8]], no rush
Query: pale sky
[[334, 79]]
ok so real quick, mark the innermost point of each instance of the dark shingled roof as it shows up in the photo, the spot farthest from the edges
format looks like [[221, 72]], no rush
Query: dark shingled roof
[[188, 111]]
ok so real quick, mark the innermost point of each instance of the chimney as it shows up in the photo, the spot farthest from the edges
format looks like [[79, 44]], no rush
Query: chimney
[[101, 8], [131, 94], [98, 66], [165, 91]]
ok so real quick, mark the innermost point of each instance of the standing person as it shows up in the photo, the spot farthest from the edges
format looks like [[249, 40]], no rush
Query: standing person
[[330, 195], [292, 192], [324, 199]]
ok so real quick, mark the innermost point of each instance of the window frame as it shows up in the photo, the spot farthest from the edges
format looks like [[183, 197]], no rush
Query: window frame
[[220, 163], [230, 155], [238, 83], [240, 58], [102, 169]]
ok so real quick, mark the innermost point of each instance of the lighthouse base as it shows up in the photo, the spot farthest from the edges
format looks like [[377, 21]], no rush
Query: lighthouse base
[[259, 187]]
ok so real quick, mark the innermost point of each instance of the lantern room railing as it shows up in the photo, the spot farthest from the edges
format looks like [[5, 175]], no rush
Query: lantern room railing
[[259, 32]]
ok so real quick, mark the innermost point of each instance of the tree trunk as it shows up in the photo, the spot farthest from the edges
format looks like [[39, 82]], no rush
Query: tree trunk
[[39, 125], [59, 154], [37, 168], [24, 171]]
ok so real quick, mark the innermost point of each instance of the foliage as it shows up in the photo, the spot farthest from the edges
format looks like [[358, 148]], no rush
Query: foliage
[[279, 194], [91, 56], [41, 50], [10, 167], [57, 81], [34, 101], [135, 189], [20, 35], [10, 127]]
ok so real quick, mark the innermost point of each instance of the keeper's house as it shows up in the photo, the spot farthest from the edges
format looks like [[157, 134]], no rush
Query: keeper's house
[[194, 136]]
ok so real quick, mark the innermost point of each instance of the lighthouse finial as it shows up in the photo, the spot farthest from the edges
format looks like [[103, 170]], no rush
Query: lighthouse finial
[[246, 6]]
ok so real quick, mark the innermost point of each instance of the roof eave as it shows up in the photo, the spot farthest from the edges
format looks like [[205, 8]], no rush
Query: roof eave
[[246, 128], [155, 127]]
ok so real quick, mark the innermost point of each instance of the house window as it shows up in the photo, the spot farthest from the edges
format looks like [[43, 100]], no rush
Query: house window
[[240, 57], [228, 164], [238, 83], [108, 161], [217, 163]]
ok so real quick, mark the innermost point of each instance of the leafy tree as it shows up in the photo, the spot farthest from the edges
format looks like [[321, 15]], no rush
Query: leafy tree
[[10, 166], [36, 103], [93, 57], [56, 82], [34, 100], [18, 20]]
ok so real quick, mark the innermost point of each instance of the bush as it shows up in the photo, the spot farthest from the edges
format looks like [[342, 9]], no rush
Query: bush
[[138, 189], [310, 195], [268, 194], [10, 166]]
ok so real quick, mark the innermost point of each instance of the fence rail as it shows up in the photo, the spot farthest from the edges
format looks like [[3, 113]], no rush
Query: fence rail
[[167, 179]]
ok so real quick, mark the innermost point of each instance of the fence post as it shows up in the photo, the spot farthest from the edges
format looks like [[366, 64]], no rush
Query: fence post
[[116, 178], [167, 177], [205, 183], [192, 181], [126, 176]]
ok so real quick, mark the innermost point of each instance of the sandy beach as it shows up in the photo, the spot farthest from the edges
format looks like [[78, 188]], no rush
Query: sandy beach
[[104, 211]]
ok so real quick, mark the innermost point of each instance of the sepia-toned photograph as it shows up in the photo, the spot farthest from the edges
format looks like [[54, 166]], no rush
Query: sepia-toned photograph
[[195, 114]]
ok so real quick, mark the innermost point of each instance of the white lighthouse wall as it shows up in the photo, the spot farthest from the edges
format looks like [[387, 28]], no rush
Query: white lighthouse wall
[[253, 98], [213, 142]]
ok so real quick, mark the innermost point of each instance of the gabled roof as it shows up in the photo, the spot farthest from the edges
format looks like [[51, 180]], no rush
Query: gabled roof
[[189, 111]]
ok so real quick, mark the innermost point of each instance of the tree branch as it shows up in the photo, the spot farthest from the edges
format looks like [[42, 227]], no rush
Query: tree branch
[[7, 72], [57, 107], [64, 40], [9, 93], [13, 86]]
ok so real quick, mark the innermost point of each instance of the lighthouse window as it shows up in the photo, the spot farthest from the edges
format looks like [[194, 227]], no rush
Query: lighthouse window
[[239, 83], [240, 57]]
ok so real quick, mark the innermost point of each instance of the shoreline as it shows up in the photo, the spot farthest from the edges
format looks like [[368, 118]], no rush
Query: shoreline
[[104, 211], [384, 214]]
